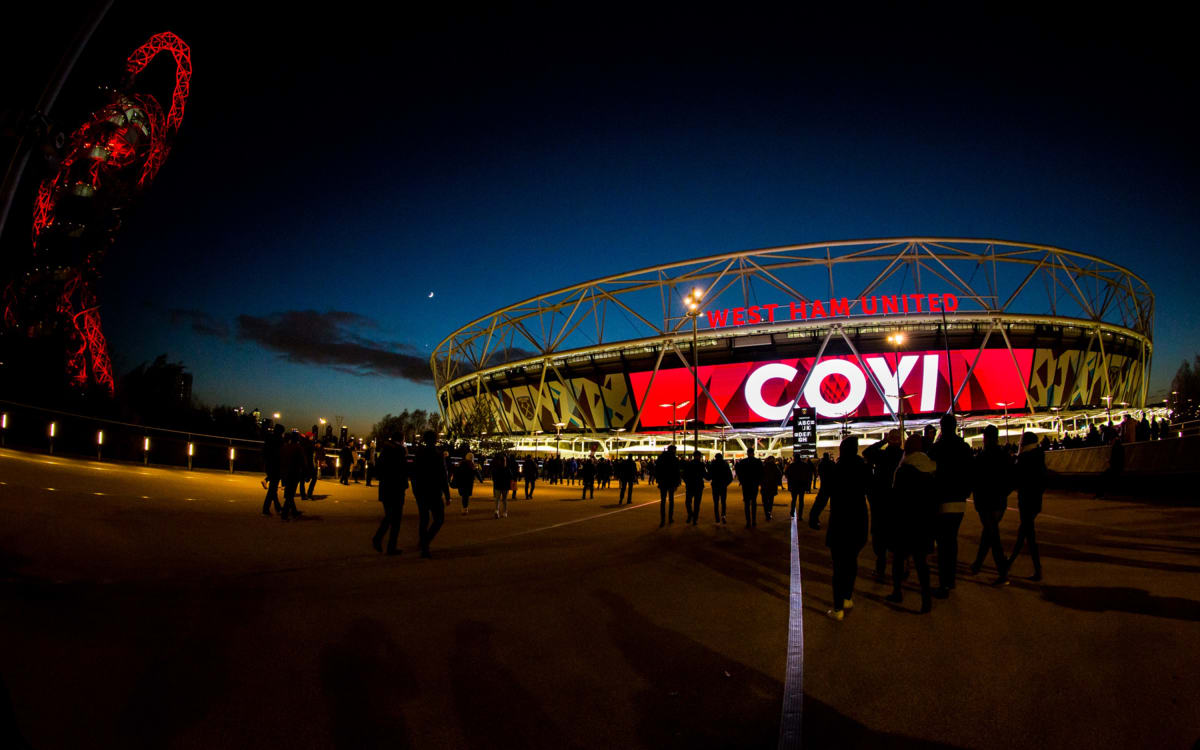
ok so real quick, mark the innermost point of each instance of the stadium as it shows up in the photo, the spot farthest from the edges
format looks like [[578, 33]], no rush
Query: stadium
[[723, 352]]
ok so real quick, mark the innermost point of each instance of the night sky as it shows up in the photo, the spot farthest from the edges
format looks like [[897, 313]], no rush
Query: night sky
[[335, 167]]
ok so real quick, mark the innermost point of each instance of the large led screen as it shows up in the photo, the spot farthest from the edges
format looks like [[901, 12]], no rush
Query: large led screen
[[764, 391]]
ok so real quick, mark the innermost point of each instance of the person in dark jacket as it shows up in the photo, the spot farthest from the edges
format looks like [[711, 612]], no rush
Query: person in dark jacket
[[694, 474], [501, 482], [799, 480], [626, 478], [429, 483], [587, 473], [954, 459], [915, 504], [306, 446], [529, 472], [749, 476], [1031, 484], [883, 458], [772, 479], [271, 445], [845, 489], [993, 475], [291, 470], [666, 475], [465, 476], [392, 471], [814, 514], [720, 475], [346, 458]]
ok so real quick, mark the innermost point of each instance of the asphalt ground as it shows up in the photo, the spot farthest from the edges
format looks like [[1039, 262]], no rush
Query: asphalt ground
[[152, 607]]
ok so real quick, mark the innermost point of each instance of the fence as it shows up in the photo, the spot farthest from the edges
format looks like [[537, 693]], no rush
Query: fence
[[48, 430]]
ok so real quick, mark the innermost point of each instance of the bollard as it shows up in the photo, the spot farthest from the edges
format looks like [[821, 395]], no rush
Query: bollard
[[146, 451], [99, 443], [3, 427], [232, 453], [52, 438], [191, 448]]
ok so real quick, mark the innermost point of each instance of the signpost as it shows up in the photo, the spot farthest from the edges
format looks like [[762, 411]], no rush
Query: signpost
[[804, 432]]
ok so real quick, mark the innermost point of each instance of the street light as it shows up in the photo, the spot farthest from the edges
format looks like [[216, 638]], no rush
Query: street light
[[896, 340], [1005, 404], [693, 304], [674, 408], [1108, 408], [558, 437]]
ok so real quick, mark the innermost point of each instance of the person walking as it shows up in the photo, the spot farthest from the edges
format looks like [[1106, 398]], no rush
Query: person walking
[[953, 458], [465, 475], [799, 480], [749, 476], [771, 480], [501, 483], [529, 471], [306, 447], [587, 474], [721, 477], [272, 443], [666, 475], [694, 474], [392, 472], [311, 458], [915, 505], [345, 457], [814, 513], [845, 489], [291, 469], [1031, 485], [883, 458], [993, 474], [428, 478], [626, 477]]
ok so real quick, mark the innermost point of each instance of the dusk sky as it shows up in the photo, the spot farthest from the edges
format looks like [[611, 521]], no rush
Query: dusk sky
[[333, 169]]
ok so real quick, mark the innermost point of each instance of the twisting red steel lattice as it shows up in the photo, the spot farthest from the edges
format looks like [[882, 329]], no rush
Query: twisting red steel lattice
[[114, 154]]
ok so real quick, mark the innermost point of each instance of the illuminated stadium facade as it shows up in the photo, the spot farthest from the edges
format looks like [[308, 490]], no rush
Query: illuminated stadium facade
[[996, 331]]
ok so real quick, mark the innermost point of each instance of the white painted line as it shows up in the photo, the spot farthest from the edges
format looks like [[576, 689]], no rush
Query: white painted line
[[791, 718]]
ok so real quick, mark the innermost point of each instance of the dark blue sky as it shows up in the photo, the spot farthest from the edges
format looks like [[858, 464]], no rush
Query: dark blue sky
[[332, 170]]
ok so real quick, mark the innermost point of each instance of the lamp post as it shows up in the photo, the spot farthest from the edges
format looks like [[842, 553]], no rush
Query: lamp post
[[619, 430], [674, 408], [896, 339], [1108, 408], [1058, 418], [558, 438], [723, 428], [693, 304], [1005, 404]]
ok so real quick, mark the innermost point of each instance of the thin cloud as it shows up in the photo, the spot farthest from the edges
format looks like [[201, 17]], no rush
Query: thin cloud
[[201, 322]]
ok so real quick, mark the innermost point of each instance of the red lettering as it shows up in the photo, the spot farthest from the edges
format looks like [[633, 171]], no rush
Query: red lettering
[[873, 309], [771, 312], [935, 303], [904, 299], [916, 298], [739, 316], [818, 310], [947, 300], [803, 310], [753, 313], [839, 307], [717, 318], [889, 305]]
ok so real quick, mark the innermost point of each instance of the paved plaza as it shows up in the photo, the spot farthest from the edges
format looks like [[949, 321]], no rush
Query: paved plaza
[[156, 607]]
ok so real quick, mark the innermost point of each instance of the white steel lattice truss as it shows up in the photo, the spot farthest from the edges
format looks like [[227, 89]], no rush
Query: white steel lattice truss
[[998, 283]]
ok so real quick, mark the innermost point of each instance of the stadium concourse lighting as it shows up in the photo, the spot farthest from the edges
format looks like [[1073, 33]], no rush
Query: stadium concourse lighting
[[693, 304], [674, 408]]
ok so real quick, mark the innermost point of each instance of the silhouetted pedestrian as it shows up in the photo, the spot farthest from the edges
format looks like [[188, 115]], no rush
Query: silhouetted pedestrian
[[953, 458], [529, 472], [814, 514], [845, 488], [587, 475], [772, 479], [883, 458], [666, 475], [749, 476], [1031, 485], [428, 478], [1116, 466], [916, 505], [272, 443], [799, 480], [345, 459], [694, 474], [465, 475], [721, 476], [392, 468], [626, 477], [291, 469], [993, 475], [501, 483]]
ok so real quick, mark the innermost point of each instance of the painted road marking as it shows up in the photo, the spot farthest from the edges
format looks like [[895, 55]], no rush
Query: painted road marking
[[791, 717]]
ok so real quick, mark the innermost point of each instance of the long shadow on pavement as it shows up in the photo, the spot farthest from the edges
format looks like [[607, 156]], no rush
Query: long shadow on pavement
[[1122, 599], [1071, 553], [367, 680], [494, 708]]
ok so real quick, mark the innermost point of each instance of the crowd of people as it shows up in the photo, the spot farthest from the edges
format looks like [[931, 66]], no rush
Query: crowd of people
[[905, 494]]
